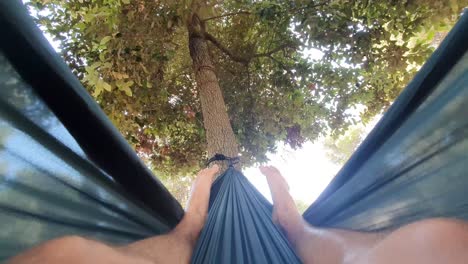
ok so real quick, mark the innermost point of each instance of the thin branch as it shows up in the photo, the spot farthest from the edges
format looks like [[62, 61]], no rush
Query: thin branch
[[279, 48], [220, 46], [307, 7], [243, 12], [244, 60], [282, 65], [228, 15], [249, 80]]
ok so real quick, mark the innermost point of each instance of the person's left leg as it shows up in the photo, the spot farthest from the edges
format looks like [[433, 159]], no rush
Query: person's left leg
[[175, 247]]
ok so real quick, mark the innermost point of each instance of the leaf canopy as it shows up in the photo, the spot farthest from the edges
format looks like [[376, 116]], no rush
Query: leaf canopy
[[133, 57]]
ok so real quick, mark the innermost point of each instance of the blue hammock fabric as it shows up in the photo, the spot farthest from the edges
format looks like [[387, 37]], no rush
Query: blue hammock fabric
[[239, 228], [48, 187], [64, 169], [413, 165]]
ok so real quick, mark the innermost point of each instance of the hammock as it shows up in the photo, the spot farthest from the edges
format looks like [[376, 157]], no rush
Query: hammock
[[64, 169]]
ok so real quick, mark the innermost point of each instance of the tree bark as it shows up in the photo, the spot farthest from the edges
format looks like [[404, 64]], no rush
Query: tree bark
[[219, 134]]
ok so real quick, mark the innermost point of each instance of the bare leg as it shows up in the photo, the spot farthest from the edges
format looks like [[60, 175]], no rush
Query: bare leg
[[177, 246], [429, 241], [432, 241], [313, 245], [174, 247]]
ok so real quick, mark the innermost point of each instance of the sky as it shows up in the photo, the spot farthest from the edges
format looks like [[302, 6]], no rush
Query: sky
[[307, 171]]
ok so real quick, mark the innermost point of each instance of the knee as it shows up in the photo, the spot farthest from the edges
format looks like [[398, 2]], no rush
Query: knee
[[67, 249], [189, 229], [69, 242], [439, 226], [65, 246], [72, 241], [439, 231]]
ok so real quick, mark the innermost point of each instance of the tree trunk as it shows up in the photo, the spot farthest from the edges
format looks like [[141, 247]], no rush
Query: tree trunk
[[219, 135]]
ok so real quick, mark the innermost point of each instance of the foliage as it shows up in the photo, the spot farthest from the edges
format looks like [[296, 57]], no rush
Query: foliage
[[133, 58], [340, 148]]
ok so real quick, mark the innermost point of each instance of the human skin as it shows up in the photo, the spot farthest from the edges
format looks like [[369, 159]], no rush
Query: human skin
[[429, 241]]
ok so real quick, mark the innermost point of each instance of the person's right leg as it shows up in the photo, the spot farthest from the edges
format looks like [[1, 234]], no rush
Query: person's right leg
[[314, 245], [429, 241]]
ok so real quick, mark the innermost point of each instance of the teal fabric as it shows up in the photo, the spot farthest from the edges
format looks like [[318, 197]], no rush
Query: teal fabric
[[413, 165], [48, 188], [64, 169], [239, 228], [24, 45]]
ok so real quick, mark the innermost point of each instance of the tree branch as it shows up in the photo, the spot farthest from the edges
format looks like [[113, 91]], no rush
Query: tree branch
[[243, 12], [220, 46], [279, 48], [281, 65], [245, 60], [307, 7], [228, 15]]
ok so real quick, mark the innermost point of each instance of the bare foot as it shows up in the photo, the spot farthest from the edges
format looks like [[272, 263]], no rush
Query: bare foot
[[274, 175], [200, 193], [285, 213], [277, 185], [209, 172]]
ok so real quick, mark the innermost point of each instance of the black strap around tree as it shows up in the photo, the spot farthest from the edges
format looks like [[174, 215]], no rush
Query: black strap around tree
[[220, 157]]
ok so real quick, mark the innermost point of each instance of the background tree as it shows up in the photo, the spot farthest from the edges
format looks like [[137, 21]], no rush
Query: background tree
[[185, 79], [340, 148]]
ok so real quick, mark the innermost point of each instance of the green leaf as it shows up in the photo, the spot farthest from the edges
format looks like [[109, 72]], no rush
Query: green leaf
[[102, 56], [104, 40], [106, 65], [94, 65], [412, 42], [127, 91], [98, 88], [106, 86], [125, 86], [149, 85]]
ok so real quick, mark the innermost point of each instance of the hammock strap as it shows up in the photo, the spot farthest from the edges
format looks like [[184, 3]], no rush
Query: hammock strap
[[220, 157]]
